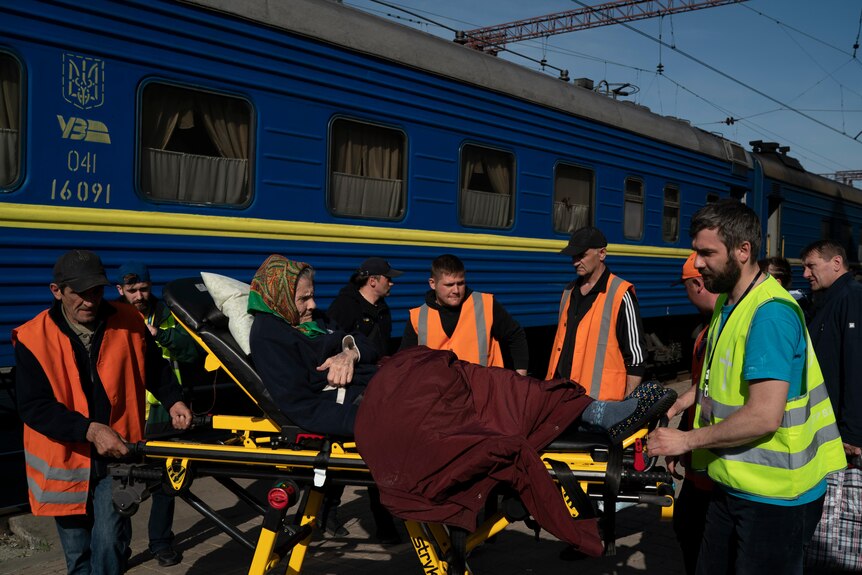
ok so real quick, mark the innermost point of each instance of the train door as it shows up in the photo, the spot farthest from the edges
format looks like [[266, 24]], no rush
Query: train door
[[774, 241]]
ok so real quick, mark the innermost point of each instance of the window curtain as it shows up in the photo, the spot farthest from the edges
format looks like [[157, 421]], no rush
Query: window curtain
[[366, 177], [226, 122], [487, 208], [572, 197], [194, 178], [10, 102], [670, 223], [570, 217]]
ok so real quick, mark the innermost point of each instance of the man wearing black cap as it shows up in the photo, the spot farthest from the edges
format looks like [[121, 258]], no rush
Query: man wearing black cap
[[609, 363], [472, 324], [81, 370], [361, 304]]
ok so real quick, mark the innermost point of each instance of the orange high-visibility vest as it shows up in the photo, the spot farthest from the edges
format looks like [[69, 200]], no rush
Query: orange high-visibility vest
[[471, 341], [58, 473], [597, 362]]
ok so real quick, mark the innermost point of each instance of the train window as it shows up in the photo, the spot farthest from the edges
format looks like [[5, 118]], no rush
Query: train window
[[633, 209], [10, 120], [487, 186], [573, 198], [367, 166], [194, 146], [670, 216]]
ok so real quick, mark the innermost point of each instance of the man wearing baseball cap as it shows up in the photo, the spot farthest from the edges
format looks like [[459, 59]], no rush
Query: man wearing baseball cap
[[81, 370], [608, 363], [361, 304]]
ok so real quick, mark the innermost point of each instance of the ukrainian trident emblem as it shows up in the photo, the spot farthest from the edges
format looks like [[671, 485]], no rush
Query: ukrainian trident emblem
[[83, 81]]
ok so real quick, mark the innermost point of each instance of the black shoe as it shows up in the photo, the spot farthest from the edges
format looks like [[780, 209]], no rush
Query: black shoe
[[388, 536], [331, 525], [167, 557], [653, 401]]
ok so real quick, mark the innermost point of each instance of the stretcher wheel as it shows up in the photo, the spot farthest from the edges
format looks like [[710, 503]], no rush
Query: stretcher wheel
[[128, 510]]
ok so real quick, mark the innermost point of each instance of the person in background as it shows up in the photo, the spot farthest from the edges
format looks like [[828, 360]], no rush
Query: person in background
[[361, 307], [836, 332], [82, 367], [689, 514], [763, 426], [472, 324], [779, 268], [361, 304], [595, 298], [177, 347]]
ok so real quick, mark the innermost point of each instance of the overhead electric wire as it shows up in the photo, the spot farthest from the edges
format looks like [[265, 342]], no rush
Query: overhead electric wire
[[564, 51], [729, 77], [754, 126], [445, 27], [806, 34]]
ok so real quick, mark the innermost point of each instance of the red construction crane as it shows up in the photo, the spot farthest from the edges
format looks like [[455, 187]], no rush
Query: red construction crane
[[492, 39]]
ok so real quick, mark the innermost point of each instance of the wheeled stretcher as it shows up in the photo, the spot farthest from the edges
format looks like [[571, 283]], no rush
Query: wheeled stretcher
[[587, 467]]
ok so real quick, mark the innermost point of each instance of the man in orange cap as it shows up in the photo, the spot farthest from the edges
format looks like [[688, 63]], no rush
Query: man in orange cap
[[691, 504]]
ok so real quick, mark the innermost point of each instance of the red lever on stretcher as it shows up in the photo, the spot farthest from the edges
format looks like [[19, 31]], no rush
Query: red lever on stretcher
[[640, 464]]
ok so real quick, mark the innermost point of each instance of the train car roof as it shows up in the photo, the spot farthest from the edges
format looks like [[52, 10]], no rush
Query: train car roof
[[334, 23], [787, 170]]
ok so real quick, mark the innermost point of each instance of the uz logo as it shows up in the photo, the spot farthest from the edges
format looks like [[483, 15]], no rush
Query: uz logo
[[81, 129]]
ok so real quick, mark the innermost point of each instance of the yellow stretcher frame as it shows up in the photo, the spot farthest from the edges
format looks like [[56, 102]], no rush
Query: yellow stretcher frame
[[255, 443]]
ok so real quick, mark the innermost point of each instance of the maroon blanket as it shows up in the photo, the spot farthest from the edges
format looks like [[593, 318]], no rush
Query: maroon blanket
[[438, 434]]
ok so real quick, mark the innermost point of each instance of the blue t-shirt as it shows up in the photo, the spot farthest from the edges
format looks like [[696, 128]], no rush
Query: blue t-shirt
[[776, 334]]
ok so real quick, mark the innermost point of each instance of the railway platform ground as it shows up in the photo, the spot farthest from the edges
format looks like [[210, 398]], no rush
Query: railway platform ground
[[644, 544]]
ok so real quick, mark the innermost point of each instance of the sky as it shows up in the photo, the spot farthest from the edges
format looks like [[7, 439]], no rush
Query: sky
[[784, 70]]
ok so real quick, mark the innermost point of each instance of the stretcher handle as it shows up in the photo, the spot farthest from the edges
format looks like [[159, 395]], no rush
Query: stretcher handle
[[651, 462]]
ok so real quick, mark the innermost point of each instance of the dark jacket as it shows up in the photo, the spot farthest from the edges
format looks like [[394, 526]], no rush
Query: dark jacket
[[437, 444], [39, 408], [287, 362], [353, 313], [505, 329], [836, 332]]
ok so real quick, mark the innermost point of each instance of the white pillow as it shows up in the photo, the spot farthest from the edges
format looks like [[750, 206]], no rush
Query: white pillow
[[231, 298]]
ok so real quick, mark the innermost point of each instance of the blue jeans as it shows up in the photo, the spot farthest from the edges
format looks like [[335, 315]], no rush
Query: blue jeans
[[96, 543], [745, 537]]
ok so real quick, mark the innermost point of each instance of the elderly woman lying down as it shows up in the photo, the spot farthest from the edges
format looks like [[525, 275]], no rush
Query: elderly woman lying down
[[437, 433]]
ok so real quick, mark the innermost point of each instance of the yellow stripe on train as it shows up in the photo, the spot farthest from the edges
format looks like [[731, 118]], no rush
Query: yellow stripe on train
[[52, 217]]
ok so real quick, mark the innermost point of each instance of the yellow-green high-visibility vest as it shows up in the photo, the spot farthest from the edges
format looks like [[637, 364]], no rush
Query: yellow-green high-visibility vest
[[803, 450]]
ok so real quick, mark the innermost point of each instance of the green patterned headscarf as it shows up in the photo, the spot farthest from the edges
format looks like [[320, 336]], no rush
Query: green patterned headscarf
[[273, 290]]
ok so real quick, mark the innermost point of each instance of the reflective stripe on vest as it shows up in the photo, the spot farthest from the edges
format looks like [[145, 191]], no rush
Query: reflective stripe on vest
[[66, 495], [601, 352], [485, 344], [597, 342], [806, 446]]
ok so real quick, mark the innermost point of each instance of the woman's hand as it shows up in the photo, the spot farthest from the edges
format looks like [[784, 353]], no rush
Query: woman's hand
[[340, 367]]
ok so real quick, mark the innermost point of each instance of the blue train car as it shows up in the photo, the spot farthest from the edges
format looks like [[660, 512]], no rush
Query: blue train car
[[207, 134]]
